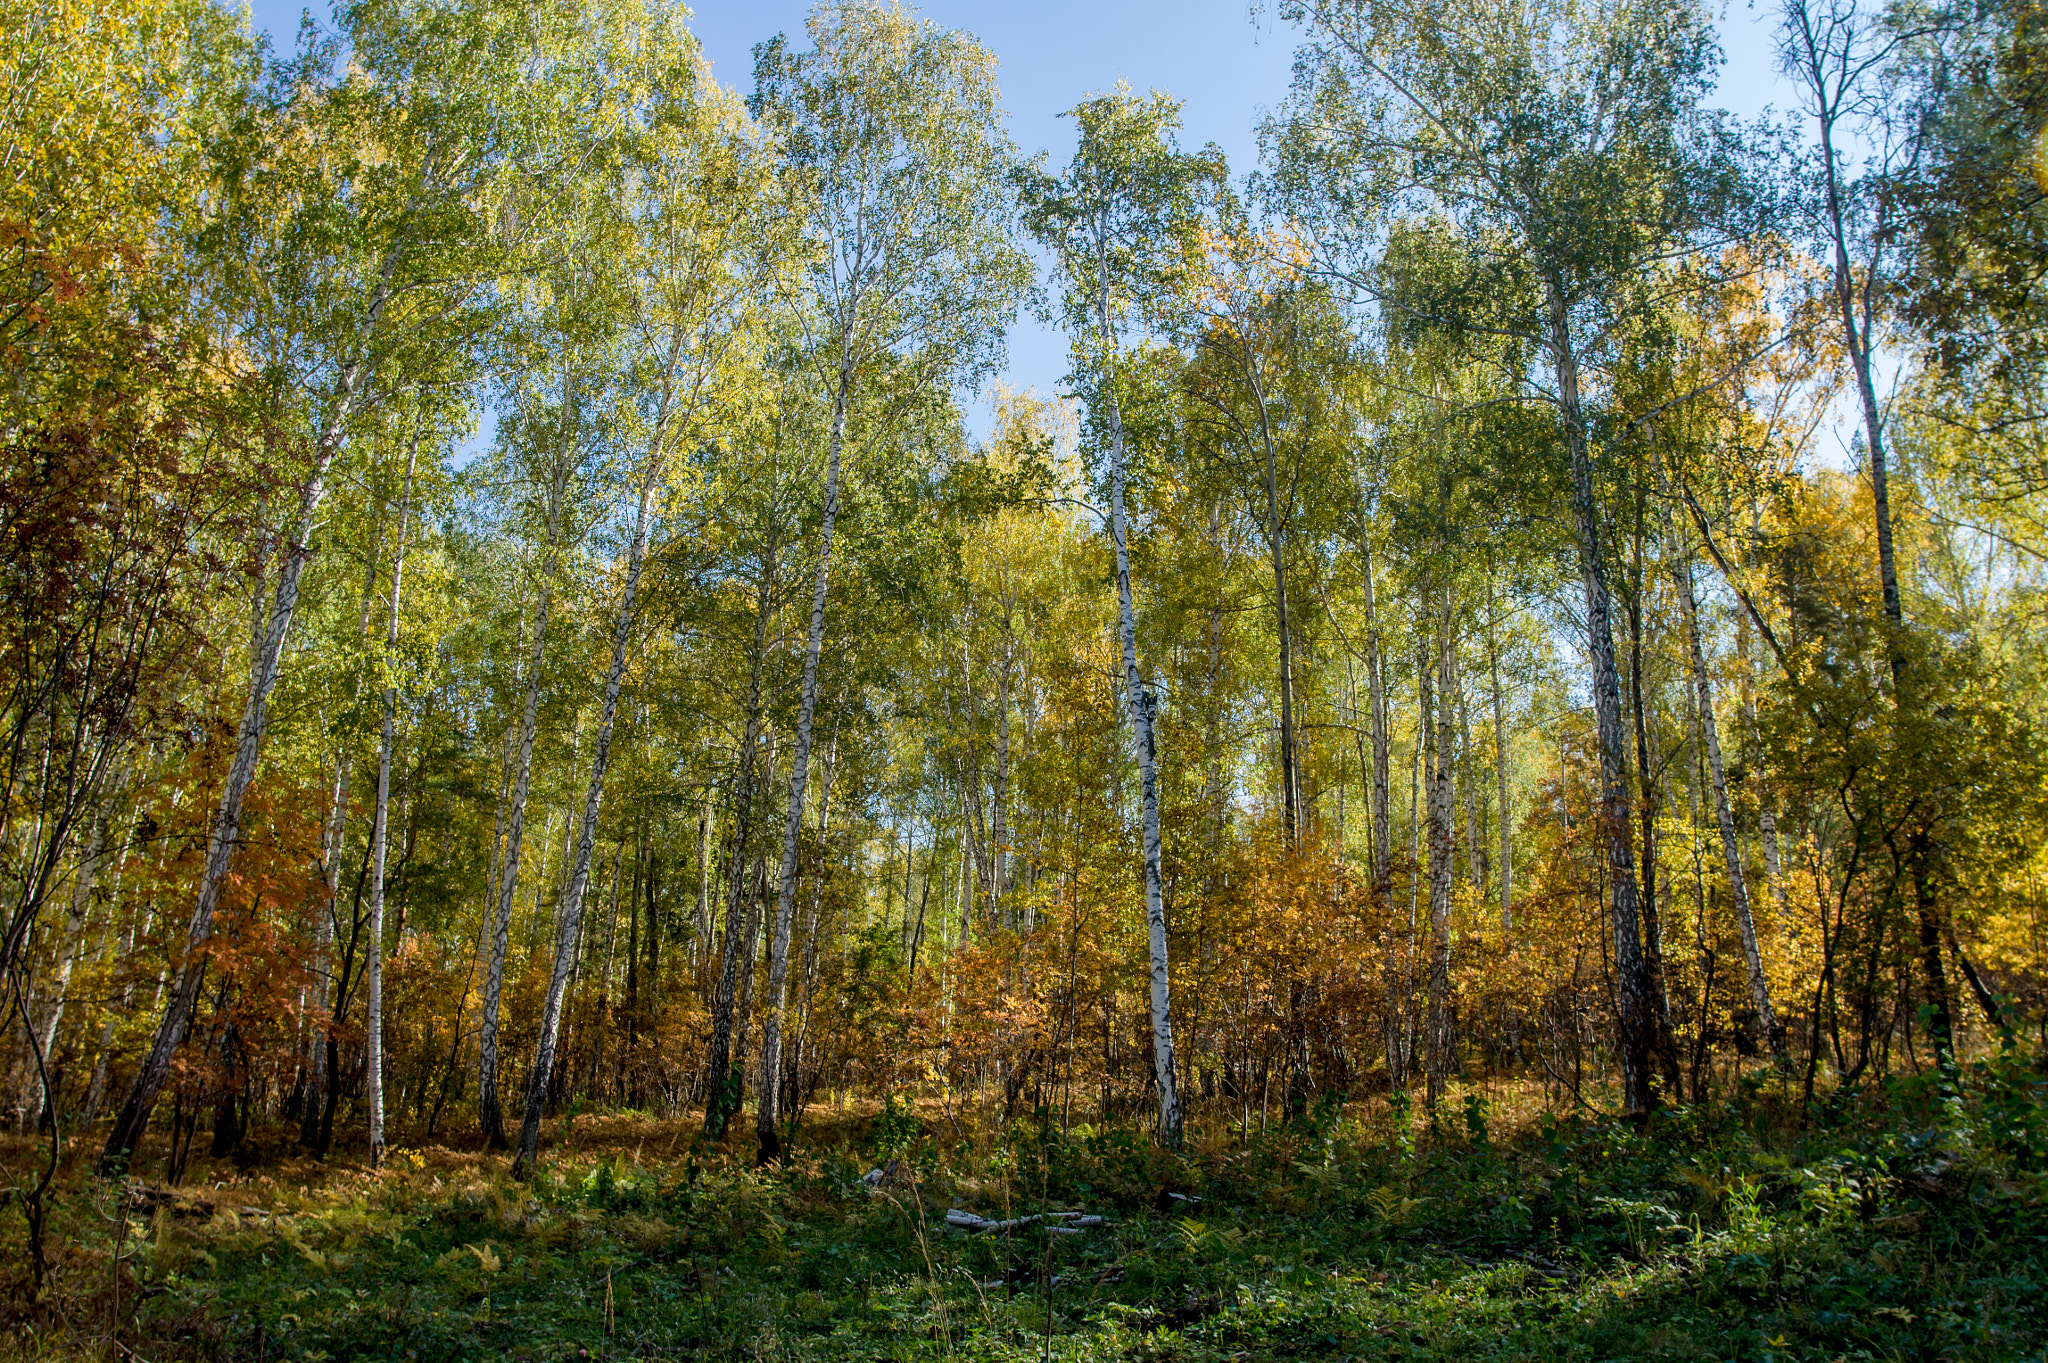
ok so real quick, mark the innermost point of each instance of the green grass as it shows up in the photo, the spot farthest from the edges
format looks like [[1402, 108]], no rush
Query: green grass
[[1903, 1222]]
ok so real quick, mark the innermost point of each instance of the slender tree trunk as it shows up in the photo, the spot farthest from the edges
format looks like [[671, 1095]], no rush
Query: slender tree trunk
[[68, 953], [225, 836], [1856, 340], [1145, 738], [1423, 663], [569, 915], [1767, 823], [1505, 876], [1650, 774], [999, 795], [1717, 775], [379, 828], [1468, 797], [767, 1115], [489, 1111], [701, 943], [794, 1064], [331, 844], [721, 1099], [1213, 797], [1637, 1022], [961, 897], [493, 882], [750, 952], [1856, 337], [1276, 547], [1441, 734], [1382, 819], [628, 1091]]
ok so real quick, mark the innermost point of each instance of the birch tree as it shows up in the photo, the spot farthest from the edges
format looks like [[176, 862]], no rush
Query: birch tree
[[557, 449], [380, 825], [359, 258], [894, 129], [1724, 817], [1121, 224], [692, 272], [1566, 141]]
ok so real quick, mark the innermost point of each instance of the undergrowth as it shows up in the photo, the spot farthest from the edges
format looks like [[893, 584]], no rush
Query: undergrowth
[[1900, 1221]]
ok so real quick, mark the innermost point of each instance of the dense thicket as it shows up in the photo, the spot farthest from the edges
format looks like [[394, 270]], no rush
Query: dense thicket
[[1537, 580]]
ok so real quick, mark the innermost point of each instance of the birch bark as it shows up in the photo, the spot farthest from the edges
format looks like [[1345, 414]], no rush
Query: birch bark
[[1441, 730], [1144, 736], [569, 917], [1382, 818], [489, 1110], [1731, 850], [721, 1099], [373, 1079], [1276, 546], [72, 948], [767, 1115], [224, 837], [1637, 1022], [1506, 873]]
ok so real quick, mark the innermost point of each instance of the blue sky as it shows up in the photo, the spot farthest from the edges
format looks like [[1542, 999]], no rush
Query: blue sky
[[1228, 60]]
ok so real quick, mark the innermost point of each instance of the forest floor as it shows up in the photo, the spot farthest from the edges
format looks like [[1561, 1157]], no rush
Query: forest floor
[[1907, 1220]]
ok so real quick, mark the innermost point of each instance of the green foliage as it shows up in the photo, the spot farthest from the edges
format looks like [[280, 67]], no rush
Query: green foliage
[[1909, 1220]]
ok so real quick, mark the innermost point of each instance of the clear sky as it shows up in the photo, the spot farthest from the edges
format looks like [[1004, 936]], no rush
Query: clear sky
[[1229, 61]]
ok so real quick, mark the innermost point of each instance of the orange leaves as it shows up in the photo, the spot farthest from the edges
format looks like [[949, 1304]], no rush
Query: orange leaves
[[1243, 270]]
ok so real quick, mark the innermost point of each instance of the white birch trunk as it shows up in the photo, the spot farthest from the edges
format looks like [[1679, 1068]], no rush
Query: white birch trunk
[[72, 949], [721, 1098], [1506, 874], [490, 1111], [700, 947], [373, 1079], [1145, 740], [332, 843], [766, 1113], [225, 836], [1731, 851], [999, 796], [1633, 988], [569, 914], [1442, 732]]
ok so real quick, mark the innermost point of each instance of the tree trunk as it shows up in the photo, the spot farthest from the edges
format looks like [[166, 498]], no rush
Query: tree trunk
[[379, 830], [1717, 775], [811, 931], [1829, 90], [720, 1100], [1505, 876], [999, 794], [489, 1111], [1441, 733], [569, 915], [1145, 739], [767, 1114], [1636, 1010], [1276, 545], [1382, 820], [700, 947], [1468, 776], [750, 954], [331, 844], [68, 953], [1650, 774], [224, 838], [1423, 664]]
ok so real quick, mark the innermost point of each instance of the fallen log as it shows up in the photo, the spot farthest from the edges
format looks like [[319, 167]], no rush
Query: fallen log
[[1070, 1223]]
